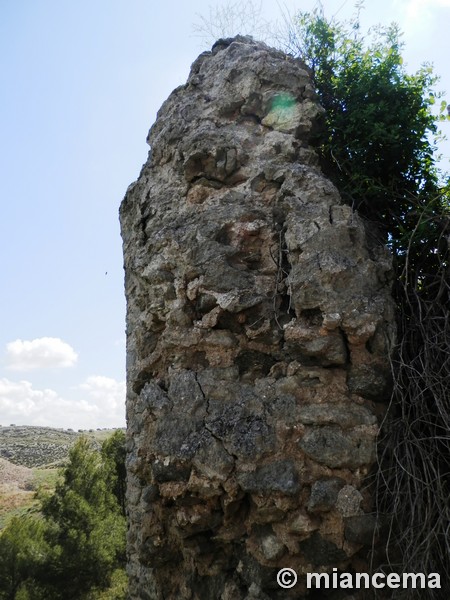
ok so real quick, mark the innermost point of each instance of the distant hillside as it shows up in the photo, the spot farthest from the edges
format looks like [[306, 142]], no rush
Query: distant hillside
[[17, 490], [29, 457], [41, 446]]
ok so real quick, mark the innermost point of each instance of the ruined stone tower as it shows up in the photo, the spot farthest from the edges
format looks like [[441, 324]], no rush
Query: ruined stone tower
[[258, 328]]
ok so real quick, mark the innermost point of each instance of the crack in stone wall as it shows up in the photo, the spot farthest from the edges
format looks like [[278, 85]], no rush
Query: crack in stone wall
[[259, 322]]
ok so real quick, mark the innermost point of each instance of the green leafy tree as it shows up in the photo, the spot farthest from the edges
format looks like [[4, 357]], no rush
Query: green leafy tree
[[85, 527], [76, 548], [23, 552], [378, 137], [113, 454]]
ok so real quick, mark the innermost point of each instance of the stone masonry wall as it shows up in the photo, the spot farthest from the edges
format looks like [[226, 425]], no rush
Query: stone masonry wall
[[259, 322]]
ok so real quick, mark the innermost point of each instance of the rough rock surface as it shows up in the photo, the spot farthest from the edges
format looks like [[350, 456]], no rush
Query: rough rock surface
[[259, 322]]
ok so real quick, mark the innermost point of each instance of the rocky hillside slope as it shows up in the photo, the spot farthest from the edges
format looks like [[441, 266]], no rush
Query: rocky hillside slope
[[40, 446]]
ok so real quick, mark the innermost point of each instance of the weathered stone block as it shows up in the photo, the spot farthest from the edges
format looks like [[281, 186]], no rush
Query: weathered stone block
[[279, 476], [321, 552], [337, 448], [324, 494]]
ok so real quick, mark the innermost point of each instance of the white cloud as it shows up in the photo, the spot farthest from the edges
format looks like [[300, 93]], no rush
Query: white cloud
[[104, 405], [41, 353], [107, 394]]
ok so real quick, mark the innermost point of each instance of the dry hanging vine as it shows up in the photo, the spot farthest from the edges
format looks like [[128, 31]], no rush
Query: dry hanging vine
[[414, 464]]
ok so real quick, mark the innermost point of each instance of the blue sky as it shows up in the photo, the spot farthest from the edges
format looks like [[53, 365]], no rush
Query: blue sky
[[81, 84]]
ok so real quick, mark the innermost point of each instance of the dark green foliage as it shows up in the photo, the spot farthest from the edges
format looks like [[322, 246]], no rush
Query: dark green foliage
[[113, 454], [80, 541], [85, 526], [377, 143], [22, 555]]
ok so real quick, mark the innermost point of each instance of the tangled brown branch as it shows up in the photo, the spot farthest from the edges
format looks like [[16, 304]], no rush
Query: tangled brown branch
[[414, 458]]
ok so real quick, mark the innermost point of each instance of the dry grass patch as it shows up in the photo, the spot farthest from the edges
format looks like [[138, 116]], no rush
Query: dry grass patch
[[18, 486]]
